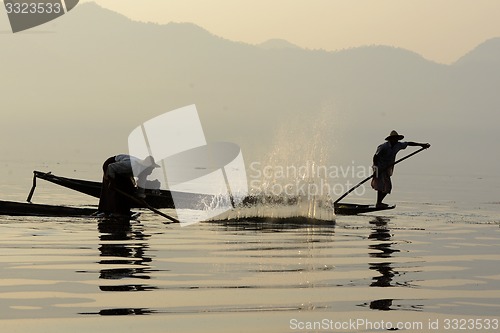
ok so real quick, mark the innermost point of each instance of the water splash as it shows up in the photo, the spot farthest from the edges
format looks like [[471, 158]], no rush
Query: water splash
[[306, 210], [288, 182]]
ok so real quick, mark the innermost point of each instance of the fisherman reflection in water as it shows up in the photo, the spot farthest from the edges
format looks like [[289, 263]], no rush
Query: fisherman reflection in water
[[383, 251], [125, 264], [383, 164], [119, 186]]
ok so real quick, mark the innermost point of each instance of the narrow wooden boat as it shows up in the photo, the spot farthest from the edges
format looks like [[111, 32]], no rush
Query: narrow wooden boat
[[155, 198], [30, 209], [354, 209]]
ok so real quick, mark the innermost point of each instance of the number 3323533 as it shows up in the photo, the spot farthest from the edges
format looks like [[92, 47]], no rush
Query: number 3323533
[[33, 8]]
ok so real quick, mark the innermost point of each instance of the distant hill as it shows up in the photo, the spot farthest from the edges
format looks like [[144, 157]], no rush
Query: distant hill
[[486, 54], [81, 83], [277, 44]]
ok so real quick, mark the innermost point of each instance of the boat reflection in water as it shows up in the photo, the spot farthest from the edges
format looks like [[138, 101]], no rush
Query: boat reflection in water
[[123, 249]]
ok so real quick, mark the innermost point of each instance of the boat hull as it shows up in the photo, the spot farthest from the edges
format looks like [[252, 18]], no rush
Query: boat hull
[[13, 208], [355, 209]]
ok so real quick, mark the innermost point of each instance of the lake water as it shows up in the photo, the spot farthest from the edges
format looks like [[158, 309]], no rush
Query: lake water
[[432, 264]]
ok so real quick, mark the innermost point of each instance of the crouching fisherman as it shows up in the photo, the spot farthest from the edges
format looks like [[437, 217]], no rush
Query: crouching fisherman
[[118, 176]]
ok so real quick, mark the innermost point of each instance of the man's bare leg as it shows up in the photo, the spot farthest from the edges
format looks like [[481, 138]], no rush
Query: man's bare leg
[[380, 197]]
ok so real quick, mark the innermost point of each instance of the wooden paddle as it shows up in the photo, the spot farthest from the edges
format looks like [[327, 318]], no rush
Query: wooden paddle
[[145, 204], [368, 178]]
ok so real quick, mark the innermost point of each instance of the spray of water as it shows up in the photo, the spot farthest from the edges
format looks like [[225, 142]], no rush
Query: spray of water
[[286, 183]]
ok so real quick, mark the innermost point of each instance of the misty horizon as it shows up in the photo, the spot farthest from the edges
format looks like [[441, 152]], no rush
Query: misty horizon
[[330, 106]]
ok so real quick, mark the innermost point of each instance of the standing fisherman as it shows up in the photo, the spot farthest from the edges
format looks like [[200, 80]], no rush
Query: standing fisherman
[[383, 164]]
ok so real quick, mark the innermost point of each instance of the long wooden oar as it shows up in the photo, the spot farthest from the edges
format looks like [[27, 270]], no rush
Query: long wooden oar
[[368, 178], [146, 205]]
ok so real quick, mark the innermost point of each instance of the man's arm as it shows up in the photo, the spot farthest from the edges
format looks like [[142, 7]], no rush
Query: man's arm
[[416, 144]]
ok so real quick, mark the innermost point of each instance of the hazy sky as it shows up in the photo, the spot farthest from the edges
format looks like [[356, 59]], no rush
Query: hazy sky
[[440, 30]]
